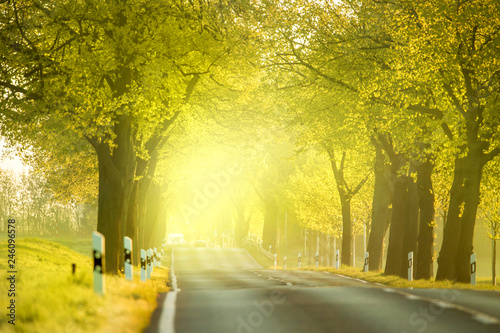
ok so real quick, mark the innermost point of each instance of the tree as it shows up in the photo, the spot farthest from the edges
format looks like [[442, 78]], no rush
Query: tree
[[115, 73]]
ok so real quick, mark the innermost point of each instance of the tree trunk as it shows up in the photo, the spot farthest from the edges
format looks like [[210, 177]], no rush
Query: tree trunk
[[472, 183], [425, 248], [346, 232], [242, 225], [494, 262], [411, 226], [151, 217], [116, 178], [459, 231], [451, 234], [269, 228], [397, 230], [382, 198]]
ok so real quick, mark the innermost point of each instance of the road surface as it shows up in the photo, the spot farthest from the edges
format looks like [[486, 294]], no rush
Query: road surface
[[226, 291]]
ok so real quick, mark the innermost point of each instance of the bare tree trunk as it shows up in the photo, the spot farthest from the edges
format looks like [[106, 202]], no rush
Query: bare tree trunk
[[382, 198], [425, 249]]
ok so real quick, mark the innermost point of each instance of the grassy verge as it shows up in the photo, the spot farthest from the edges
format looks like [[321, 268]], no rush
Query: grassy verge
[[397, 282], [49, 298], [376, 277]]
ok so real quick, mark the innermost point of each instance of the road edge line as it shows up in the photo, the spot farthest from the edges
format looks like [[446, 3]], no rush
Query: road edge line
[[167, 317]]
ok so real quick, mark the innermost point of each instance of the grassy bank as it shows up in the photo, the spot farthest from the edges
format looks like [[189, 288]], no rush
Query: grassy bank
[[374, 277], [394, 281], [49, 298]]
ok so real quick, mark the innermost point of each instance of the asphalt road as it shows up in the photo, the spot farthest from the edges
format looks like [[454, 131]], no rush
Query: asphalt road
[[226, 291]]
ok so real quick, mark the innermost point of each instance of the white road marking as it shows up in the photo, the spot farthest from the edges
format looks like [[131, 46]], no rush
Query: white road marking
[[167, 318], [413, 297], [476, 315], [485, 319], [389, 290]]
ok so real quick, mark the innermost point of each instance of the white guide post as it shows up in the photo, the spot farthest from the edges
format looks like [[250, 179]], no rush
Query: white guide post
[[155, 257], [143, 264], [299, 262], [337, 259], [410, 266], [473, 269], [317, 259], [275, 261], [284, 263], [149, 263], [367, 261], [127, 264], [99, 263]]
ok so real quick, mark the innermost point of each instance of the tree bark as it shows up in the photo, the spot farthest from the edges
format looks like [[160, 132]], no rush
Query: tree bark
[[472, 183], [425, 247], [345, 194], [399, 215], [451, 234], [242, 225], [382, 198], [116, 177], [411, 226], [346, 255], [396, 247]]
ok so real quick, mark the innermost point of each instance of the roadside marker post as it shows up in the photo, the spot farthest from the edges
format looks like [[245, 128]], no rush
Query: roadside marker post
[[317, 259], [143, 264], [367, 261], [148, 264], [275, 261], [299, 264], [473, 269], [127, 264], [155, 257], [99, 263], [284, 263], [337, 258], [410, 266]]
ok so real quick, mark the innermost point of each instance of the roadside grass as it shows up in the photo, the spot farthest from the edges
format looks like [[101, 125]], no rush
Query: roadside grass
[[375, 276], [49, 298], [397, 282]]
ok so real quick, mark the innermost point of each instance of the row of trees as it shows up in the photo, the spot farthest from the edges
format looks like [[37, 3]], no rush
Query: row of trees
[[28, 198], [109, 80], [420, 82], [399, 99]]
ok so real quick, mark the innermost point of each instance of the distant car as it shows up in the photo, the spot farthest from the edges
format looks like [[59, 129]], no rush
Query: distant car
[[175, 240], [200, 243]]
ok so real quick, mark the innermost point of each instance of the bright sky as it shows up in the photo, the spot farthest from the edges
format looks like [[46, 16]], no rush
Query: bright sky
[[10, 162]]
